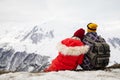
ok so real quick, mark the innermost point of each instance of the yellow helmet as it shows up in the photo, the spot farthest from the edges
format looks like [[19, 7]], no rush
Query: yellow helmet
[[91, 27]]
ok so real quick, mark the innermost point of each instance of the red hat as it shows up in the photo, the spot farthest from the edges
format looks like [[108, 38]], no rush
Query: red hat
[[79, 33]]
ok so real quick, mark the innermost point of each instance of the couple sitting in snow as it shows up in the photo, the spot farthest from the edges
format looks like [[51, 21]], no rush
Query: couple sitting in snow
[[71, 51]]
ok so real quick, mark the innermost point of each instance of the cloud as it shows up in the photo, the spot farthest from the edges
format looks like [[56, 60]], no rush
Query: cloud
[[73, 10]]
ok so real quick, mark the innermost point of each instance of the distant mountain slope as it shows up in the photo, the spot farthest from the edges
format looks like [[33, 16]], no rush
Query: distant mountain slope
[[115, 42]]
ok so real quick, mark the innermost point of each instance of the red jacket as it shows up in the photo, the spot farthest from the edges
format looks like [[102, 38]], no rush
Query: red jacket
[[71, 53]]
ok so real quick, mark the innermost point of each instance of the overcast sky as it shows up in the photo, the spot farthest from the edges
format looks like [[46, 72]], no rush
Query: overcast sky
[[66, 10]]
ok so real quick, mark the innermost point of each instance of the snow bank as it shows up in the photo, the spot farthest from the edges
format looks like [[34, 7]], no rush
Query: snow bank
[[64, 75]]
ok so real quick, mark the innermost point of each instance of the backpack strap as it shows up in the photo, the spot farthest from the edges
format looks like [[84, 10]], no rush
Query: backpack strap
[[101, 39]]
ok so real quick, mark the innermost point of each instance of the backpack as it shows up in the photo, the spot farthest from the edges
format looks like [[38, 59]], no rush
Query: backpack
[[98, 55]]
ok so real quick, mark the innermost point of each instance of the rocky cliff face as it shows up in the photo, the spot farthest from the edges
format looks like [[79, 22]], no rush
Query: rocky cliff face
[[22, 61]]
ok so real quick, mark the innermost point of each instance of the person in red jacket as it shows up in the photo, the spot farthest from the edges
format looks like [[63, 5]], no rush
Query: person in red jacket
[[71, 53]]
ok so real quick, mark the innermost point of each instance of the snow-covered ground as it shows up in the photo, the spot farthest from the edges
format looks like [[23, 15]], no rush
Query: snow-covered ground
[[64, 75]]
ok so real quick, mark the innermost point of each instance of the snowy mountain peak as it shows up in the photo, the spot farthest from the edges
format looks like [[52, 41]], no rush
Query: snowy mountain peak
[[37, 34]]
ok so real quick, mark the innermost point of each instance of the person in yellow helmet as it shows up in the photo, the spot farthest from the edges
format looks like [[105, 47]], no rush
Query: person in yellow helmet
[[90, 59]]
